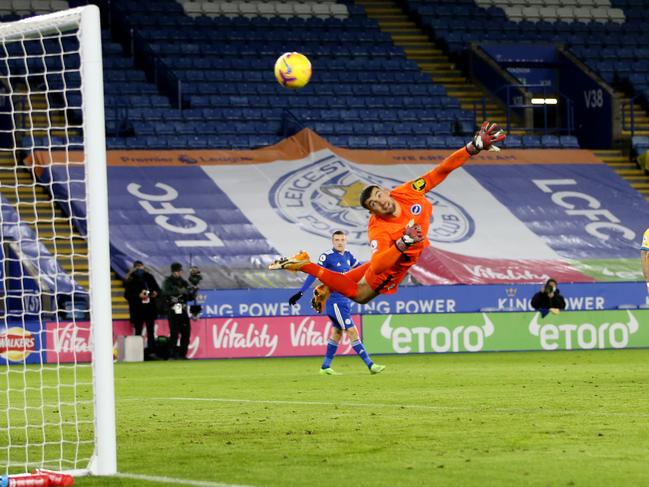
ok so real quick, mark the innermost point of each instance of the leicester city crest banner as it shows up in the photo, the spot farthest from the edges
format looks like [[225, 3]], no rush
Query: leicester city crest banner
[[517, 216]]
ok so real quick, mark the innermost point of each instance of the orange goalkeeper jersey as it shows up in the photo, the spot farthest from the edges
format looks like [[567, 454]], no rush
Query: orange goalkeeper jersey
[[384, 231]]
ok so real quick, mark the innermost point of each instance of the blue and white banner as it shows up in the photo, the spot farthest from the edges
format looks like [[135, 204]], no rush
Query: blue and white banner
[[581, 212]]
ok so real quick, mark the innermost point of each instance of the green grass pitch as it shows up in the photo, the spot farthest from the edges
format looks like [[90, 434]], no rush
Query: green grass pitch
[[554, 418]]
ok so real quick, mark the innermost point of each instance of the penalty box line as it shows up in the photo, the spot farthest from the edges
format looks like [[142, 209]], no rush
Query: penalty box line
[[539, 410], [173, 480]]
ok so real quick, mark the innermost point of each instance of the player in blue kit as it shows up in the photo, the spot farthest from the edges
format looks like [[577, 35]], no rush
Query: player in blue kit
[[338, 259]]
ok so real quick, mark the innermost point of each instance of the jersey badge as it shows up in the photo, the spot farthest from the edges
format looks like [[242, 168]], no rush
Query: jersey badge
[[419, 185]]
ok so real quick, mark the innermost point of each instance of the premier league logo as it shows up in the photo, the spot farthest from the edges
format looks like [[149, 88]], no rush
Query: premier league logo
[[324, 197]]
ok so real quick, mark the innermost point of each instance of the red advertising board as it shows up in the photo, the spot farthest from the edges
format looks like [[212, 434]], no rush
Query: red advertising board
[[283, 336]]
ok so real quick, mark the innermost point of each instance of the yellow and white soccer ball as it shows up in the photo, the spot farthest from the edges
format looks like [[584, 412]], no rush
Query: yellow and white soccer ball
[[293, 70]]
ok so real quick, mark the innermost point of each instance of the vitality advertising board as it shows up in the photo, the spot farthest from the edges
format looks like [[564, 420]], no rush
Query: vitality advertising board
[[244, 337]]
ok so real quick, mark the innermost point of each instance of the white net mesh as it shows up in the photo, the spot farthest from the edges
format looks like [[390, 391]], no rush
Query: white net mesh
[[45, 336]]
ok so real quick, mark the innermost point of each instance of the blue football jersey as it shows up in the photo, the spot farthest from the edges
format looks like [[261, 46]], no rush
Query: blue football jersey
[[337, 262]]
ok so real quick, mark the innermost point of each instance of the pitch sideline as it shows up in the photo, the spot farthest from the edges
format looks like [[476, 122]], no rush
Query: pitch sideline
[[400, 406], [173, 480]]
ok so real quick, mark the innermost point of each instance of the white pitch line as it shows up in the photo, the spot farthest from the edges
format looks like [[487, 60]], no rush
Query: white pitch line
[[172, 480], [540, 410]]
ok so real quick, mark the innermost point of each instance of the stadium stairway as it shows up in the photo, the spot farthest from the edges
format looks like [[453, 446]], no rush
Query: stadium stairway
[[640, 116], [626, 169], [34, 203], [431, 59]]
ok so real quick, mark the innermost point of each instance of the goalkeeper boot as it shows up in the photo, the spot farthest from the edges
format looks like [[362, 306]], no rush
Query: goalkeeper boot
[[320, 295], [292, 264], [376, 369], [329, 371]]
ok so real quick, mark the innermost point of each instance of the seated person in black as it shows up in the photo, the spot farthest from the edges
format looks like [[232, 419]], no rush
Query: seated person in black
[[548, 299]]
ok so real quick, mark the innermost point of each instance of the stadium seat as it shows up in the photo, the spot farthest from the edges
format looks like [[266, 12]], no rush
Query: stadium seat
[[569, 142], [566, 13], [358, 142], [339, 10], [616, 15], [531, 14], [550, 141], [21, 7], [531, 142], [583, 14], [548, 14], [193, 9], [377, 142], [303, 10], [512, 142], [435, 142]]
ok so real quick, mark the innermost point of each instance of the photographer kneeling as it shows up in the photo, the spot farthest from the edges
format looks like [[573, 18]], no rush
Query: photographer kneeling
[[177, 293], [548, 299]]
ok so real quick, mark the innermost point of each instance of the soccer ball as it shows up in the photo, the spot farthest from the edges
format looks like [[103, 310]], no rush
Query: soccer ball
[[293, 70]]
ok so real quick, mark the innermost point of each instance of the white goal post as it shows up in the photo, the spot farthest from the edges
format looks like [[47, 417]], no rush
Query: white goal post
[[57, 407]]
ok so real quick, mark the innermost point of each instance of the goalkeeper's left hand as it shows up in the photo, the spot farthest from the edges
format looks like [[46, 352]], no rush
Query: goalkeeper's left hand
[[412, 234], [488, 135]]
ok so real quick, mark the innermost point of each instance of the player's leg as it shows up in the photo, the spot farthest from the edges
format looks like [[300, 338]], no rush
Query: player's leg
[[356, 290], [357, 273], [322, 292], [359, 348], [337, 282], [332, 347]]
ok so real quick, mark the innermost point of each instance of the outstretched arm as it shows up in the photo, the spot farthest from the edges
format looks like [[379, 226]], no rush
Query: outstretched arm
[[439, 173], [307, 283], [484, 139]]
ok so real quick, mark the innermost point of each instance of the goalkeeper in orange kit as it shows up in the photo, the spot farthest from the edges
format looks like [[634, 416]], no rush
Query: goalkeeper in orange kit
[[397, 231]]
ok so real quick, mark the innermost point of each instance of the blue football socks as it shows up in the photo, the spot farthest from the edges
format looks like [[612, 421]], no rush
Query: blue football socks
[[332, 346], [362, 353]]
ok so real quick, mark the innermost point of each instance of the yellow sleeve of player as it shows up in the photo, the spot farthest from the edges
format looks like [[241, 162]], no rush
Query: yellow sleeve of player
[[645, 240]]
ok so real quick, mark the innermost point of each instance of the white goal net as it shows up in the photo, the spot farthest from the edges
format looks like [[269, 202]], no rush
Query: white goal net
[[56, 386]]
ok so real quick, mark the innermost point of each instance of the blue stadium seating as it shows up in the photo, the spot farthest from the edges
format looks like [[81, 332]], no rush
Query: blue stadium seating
[[365, 91], [223, 64], [611, 45]]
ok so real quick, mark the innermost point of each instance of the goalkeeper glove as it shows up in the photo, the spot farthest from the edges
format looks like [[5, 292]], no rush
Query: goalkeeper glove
[[412, 234], [488, 135], [295, 298]]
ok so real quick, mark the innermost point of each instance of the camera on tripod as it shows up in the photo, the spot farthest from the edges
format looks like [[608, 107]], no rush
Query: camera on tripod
[[195, 276]]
